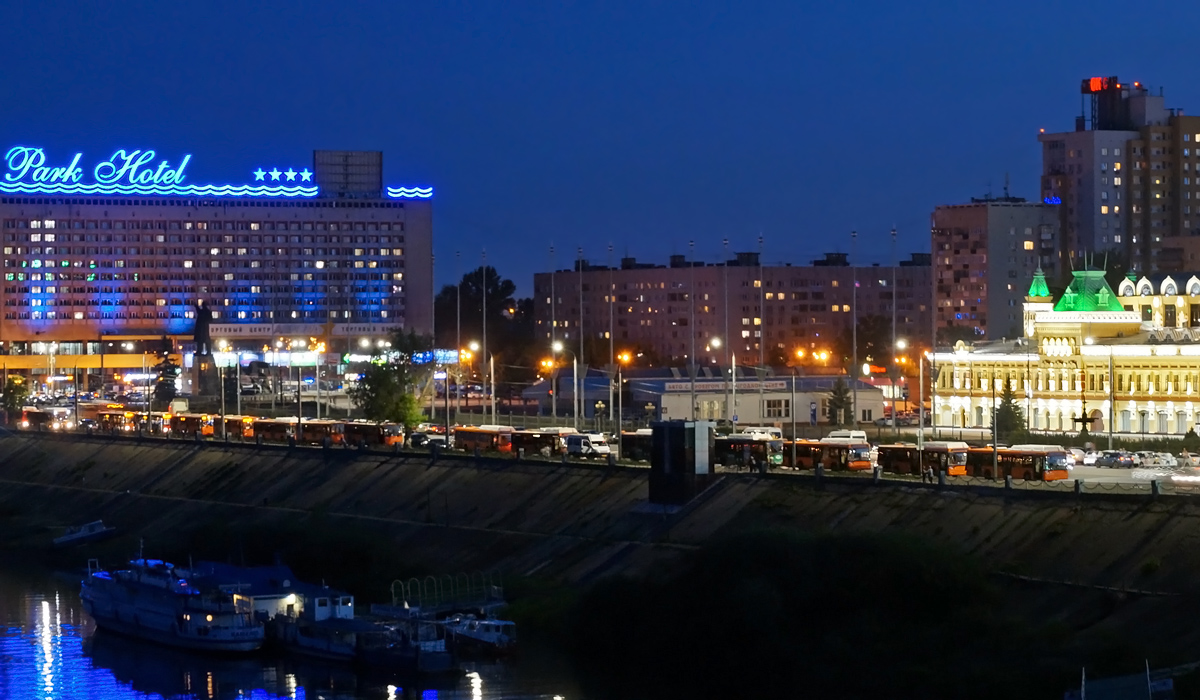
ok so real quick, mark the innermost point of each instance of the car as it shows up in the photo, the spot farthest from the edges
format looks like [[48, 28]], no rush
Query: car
[[1076, 454], [1115, 459], [1090, 457], [590, 445]]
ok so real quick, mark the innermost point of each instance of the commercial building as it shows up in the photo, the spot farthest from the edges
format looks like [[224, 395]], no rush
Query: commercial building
[[109, 256], [1125, 178], [983, 253], [1121, 361], [736, 312]]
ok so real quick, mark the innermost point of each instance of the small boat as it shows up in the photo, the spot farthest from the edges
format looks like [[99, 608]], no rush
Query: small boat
[[487, 637], [83, 534]]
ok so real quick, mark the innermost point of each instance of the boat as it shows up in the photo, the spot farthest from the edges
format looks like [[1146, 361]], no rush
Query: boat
[[155, 601], [319, 621], [489, 637], [83, 534]]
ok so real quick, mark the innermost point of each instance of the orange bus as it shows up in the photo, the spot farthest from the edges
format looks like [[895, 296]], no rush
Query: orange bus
[[903, 458], [191, 423], [808, 453], [485, 438], [238, 427], [747, 450], [1043, 464], [538, 442], [361, 432], [274, 429], [949, 457], [314, 432], [116, 419], [838, 453]]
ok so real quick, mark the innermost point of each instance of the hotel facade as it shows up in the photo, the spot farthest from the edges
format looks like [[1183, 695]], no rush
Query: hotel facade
[[104, 259], [1123, 362]]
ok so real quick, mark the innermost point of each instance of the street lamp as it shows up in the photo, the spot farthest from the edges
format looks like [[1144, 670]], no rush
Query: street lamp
[[576, 400], [898, 345], [623, 359]]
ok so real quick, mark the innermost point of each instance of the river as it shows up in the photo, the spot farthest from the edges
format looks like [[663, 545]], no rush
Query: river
[[50, 650]]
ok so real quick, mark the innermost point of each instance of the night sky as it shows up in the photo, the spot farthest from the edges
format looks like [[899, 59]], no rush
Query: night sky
[[643, 124]]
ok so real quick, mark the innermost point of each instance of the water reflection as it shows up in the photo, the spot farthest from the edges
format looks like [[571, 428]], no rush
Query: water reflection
[[50, 649]]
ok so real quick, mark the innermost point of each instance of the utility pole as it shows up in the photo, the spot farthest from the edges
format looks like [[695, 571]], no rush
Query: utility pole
[[854, 327], [612, 356], [762, 337], [553, 342], [692, 322], [895, 368], [457, 338], [484, 347], [728, 339], [582, 362]]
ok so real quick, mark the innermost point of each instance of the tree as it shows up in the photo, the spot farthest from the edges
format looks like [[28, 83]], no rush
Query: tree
[[501, 309], [841, 403], [164, 386], [1010, 417], [388, 389], [874, 342], [15, 393]]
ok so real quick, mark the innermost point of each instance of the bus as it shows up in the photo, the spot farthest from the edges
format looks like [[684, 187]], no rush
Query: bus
[[748, 450], [807, 453], [315, 432], [485, 438], [901, 458], [238, 427], [637, 445], [117, 419], [274, 429], [364, 433], [46, 419], [538, 442], [840, 453], [1040, 464], [948, 457], [189, 424]]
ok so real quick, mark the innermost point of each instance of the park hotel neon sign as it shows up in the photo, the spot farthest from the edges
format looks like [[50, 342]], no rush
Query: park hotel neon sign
[[141, 172]]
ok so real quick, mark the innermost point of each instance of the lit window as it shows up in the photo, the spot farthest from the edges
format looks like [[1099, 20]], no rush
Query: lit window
[[187, 263], [1028, 245], [1104, 209], [1117, 166]]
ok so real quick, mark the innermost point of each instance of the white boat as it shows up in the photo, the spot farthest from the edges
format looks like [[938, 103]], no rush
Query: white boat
[[155, 601], [489, 637], [82, 534]]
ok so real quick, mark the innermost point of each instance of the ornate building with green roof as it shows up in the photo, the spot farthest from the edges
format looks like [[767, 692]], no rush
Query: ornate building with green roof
[[1125, 361]]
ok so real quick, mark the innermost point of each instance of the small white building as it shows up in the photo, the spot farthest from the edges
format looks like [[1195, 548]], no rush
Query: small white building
[[773, 401]]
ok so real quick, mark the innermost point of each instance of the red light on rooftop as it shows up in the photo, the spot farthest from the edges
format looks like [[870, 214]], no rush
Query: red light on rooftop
[[1096, 84]]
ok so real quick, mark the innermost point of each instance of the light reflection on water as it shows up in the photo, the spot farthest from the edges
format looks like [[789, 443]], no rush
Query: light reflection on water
[[51, 650]]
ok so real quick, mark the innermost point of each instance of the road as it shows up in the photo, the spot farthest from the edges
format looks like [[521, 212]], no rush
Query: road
[[1104, 475]]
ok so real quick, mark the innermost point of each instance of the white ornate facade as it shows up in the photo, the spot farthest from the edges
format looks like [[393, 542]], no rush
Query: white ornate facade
[[1127, 362]]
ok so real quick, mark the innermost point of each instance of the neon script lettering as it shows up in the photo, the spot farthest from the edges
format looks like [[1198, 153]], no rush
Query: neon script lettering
[[31, 162], [28, 165], [131, 168]]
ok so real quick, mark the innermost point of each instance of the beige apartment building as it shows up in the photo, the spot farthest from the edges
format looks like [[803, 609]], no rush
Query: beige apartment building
[[739, 310], [983, 253]]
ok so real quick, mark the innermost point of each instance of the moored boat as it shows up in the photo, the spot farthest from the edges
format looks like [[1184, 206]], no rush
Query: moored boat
[[83, 534], [488, 637], [155, 601]]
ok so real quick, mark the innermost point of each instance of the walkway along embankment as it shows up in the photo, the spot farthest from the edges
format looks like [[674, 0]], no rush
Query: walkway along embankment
[[567, 522]]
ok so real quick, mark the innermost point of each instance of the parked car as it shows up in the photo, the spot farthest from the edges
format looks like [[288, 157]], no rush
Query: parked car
[[1077, 455], [1115, 459], [1090, 457]]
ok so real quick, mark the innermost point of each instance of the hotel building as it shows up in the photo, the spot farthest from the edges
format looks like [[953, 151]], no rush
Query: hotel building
[[103, 259], [1122, 362]]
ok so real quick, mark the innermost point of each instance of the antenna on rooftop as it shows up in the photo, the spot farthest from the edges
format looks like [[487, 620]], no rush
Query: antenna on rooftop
[[1006, 185]]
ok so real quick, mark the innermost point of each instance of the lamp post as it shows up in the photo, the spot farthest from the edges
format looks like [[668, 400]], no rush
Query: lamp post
[[897, 345], [575, 403], [622, 360], [854, 325], [474, 350], [599, 411]]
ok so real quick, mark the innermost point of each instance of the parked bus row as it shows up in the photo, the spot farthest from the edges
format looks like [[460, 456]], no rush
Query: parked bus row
[[236, 427]]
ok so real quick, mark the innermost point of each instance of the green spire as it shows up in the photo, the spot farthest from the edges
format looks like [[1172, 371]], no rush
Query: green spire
[[1088, 291], [1039, 288]]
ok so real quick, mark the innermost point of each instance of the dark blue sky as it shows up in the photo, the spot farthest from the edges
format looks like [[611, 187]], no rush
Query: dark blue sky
[[643, 124]]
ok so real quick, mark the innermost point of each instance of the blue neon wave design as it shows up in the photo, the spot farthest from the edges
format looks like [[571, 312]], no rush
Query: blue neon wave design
[[159, 190], [410, 192]]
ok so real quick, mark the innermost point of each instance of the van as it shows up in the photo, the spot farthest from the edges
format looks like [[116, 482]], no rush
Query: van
[[587, 445], [766, 431], [860, 435]]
